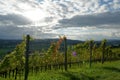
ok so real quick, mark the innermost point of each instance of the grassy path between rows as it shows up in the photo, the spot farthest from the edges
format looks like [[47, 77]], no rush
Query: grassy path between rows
[[98, 71]]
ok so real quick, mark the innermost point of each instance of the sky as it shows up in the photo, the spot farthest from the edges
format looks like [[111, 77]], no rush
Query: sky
[[76, 19]]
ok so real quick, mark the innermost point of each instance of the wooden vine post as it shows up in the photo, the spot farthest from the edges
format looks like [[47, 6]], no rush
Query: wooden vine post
[[65, 48], [90, 48], [27, 57], [103, 49]]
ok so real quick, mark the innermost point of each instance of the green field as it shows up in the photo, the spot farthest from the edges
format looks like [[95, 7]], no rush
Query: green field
[[98, 71]]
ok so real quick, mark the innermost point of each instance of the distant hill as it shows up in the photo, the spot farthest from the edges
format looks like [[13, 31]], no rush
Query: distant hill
[[114, 42], [45, 43], [39, 44], [7, 46]]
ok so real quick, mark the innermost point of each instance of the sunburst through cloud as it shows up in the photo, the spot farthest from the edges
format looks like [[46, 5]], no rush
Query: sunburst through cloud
[[85, 19]]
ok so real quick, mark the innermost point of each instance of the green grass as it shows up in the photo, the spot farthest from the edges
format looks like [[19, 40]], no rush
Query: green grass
[[107, 71]]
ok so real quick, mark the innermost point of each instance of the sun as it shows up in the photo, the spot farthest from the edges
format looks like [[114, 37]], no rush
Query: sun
[[35, 15]]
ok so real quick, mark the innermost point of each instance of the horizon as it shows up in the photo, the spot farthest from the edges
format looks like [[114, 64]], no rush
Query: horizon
[[67, 39]]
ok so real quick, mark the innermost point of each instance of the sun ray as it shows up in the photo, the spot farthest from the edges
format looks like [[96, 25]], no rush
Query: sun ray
[[35, 15]]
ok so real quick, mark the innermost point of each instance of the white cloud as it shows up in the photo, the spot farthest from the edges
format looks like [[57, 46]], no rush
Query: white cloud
[[106, 0], [116, 1], [58, 8], [14, 19], [92, 20], [84, 33], [13, 13]]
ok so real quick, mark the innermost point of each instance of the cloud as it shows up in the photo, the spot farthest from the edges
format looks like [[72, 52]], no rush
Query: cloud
[[92, 20], [12, 26], [59, 9], [61, 16], [11, 32], [93, 32], [14, 19]]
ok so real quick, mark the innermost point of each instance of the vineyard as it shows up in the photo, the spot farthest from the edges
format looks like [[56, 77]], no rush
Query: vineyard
[[59, 56]]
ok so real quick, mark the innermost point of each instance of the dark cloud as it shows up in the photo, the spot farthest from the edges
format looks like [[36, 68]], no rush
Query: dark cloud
[[9, 26], [12, 32], [108, 18], [15, 19]]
